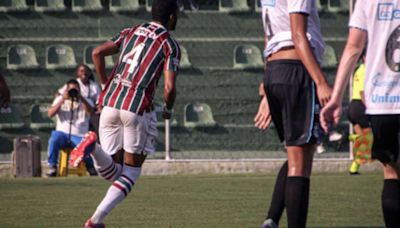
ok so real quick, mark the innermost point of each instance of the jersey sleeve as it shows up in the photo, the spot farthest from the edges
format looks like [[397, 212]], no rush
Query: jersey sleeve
[[299, 6], [173, 56], [119, 38], [359, 18]]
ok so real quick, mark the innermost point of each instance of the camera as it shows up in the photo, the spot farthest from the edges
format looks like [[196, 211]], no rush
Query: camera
[[73, 93]]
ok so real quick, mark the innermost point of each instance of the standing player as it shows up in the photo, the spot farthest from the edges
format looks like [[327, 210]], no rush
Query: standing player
[[128, 121], [293, 79], [376, 21]]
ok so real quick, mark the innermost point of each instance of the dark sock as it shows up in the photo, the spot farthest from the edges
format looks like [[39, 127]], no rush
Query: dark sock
[[296, 200], [391, 203], [278, 197]]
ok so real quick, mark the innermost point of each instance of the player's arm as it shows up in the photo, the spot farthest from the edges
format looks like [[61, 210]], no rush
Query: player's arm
[[89, 107], [353, 49], [298, 24], [98, 57], [169, 92]]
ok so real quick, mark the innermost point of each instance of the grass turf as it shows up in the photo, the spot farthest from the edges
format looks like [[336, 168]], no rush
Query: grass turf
[[215, 201]]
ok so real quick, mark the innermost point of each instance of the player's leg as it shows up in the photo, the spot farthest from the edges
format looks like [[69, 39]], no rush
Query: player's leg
[[386, 149], [136, 136], [278, 197], [108, 157], [298, 184]]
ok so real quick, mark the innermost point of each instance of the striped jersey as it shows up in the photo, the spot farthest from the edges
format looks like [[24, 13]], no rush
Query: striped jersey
[[145, 52]]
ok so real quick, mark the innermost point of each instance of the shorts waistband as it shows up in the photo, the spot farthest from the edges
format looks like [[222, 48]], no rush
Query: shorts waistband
[[146, 110], [285, 61]]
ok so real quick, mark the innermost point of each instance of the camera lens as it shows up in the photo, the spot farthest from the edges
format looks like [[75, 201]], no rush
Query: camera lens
[[73, 93]]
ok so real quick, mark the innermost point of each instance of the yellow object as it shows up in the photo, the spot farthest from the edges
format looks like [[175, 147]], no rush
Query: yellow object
[[358, 82], [354, 167], [362, 147], [63, 169]]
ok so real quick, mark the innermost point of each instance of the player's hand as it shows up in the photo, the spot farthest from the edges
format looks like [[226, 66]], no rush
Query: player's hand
[[263, 118], [324, 92], [166, 113], [330, 115]]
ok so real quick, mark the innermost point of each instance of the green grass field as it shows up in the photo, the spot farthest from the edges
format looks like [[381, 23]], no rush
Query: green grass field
[[215, 201]]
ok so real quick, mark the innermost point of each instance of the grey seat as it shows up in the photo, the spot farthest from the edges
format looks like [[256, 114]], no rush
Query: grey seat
[[49, 5], [257, 6], [13, 5], [21, 57], [149, 3], [124, 5], [60, 57], [86, 5], [11, 119], [185, 62], [233, 6], [39, 118], [198, 115], [330, 59], [87, 58], [247, 56]]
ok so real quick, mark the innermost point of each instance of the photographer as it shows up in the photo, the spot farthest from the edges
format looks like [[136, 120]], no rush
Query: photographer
[[72, 112]]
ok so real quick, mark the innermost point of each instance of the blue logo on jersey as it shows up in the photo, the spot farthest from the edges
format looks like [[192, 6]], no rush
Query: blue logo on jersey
[[380, 99], [387, 12], [268, 2]]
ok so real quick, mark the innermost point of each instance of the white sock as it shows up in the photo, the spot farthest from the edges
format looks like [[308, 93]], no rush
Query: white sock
[[116, 193], [105, 165]]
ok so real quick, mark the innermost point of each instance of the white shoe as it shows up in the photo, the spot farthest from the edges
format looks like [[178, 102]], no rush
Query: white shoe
[[320, 149], [269, 223], [335, 136]]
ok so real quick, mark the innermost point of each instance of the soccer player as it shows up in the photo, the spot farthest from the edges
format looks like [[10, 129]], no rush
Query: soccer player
[[294, 85], [378, 22], [127, 121]]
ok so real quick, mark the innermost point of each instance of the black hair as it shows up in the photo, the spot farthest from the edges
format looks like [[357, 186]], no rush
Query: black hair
[[162, 9], [73, 81]]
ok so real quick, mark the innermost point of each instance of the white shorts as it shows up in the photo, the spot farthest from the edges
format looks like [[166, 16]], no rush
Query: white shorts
[[120, 129]]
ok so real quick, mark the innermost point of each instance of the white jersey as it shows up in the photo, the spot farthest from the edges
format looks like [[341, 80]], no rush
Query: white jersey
[[381, 20], [80, 119], [275, 14]]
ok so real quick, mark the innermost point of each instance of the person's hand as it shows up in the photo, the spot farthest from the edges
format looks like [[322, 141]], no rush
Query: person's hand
[[4, 96], [166, 113], [263, 118], [330, 115], [65, 95], [324, 92]]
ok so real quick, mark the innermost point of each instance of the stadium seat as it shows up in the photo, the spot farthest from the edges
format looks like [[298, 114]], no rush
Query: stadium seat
[[185, 62], [21, 57], [49, 5], [233, 6], [149, 3], [198, 115], [124, 5], [39, 118], [257, 6], [330, 59], [86, 5], [60, 57], [247, 56], [11, 118], [87, 58], [13, 5], [160, 120], [336, 6]]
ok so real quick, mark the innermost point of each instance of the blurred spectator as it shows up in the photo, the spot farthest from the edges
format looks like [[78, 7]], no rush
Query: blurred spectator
[[193, 5], [4, 93], [73, 113]]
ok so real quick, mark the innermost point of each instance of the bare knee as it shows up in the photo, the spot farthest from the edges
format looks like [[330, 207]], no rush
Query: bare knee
[[135, 160], [391, 171]]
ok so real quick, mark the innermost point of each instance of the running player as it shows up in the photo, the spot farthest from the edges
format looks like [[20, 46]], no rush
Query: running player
[[378, 22], [293, 83], [128, 121]]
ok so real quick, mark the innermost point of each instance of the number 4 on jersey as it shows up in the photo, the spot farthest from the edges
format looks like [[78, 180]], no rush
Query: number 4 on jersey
[[132, 58]]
